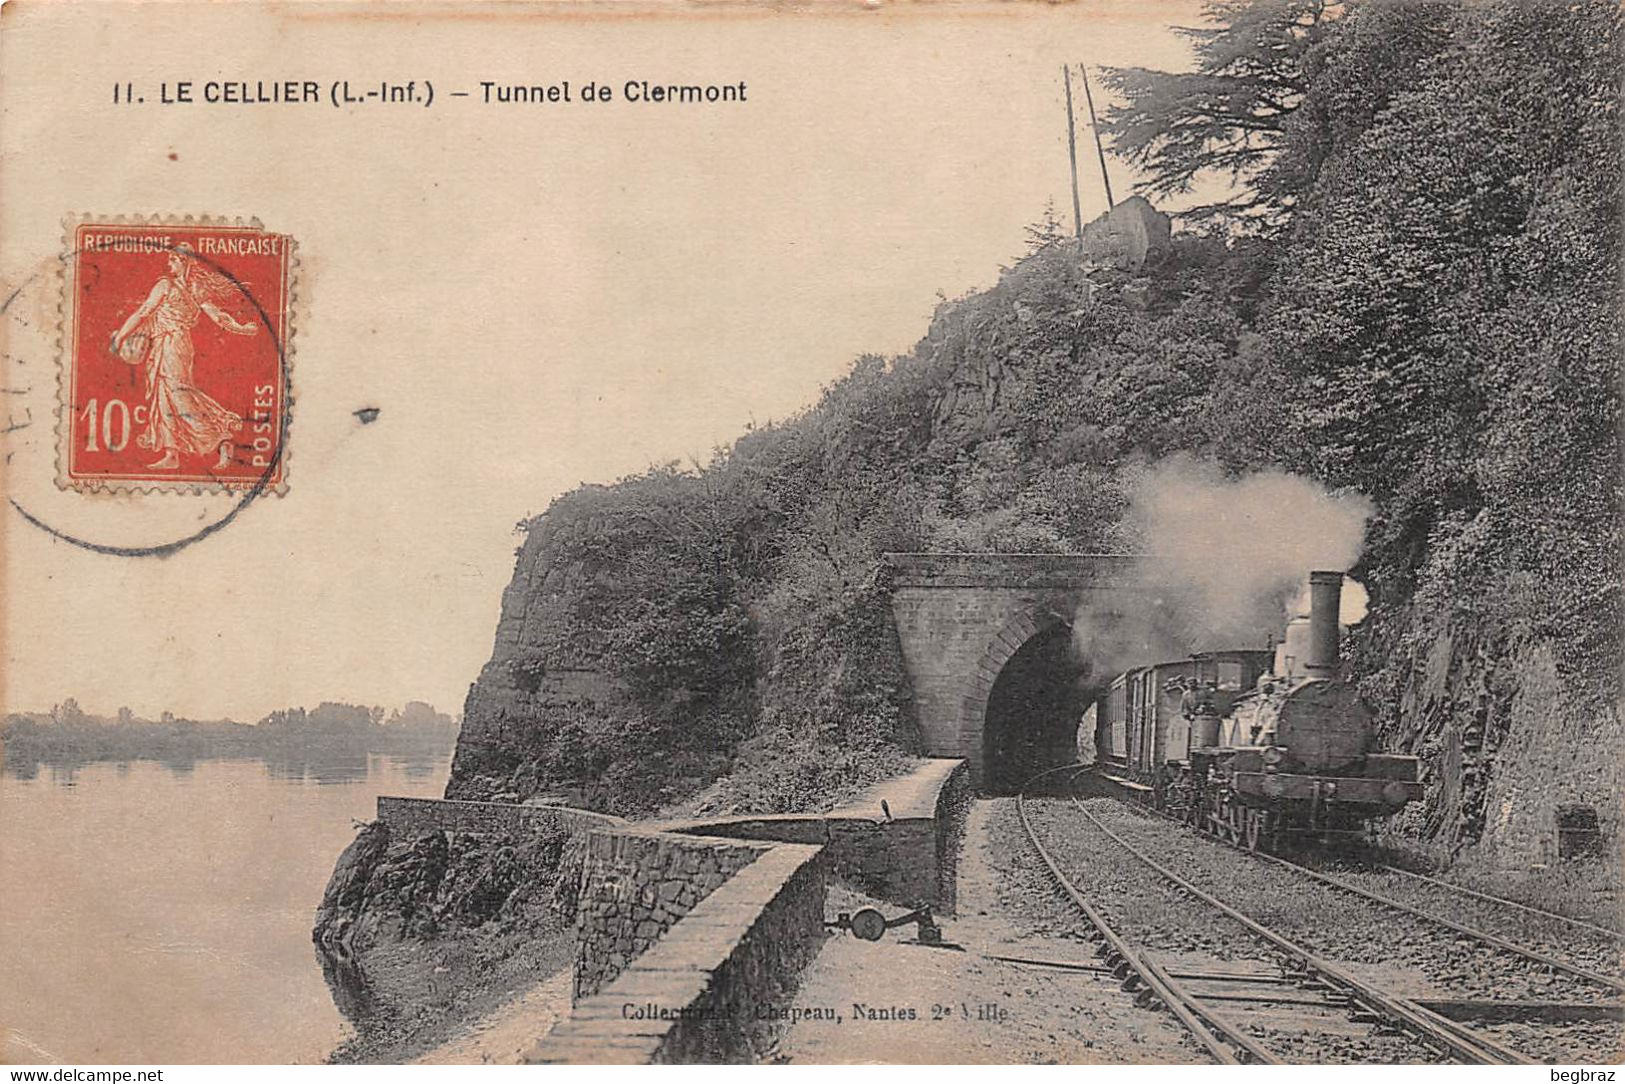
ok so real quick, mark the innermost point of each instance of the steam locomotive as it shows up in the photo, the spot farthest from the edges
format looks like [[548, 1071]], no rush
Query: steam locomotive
[[1258, 747]]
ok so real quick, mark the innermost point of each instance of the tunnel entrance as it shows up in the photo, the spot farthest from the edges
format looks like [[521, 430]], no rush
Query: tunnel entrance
[[1034, 710]]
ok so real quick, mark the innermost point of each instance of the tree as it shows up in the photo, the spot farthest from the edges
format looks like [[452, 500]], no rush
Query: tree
[[1048, 230], [68, 713], [1231, 115]]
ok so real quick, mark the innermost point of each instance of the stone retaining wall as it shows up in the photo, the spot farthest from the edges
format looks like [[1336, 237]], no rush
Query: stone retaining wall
[[698, 993], [635, 885], [408, 815], [686, 931], [950, 813], [907, 859]]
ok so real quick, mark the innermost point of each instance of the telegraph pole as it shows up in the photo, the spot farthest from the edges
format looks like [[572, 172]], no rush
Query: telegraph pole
[[1072, 152], [1094, 126]]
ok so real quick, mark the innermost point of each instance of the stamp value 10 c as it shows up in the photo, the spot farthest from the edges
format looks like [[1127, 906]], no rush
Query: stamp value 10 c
[[175, 356]]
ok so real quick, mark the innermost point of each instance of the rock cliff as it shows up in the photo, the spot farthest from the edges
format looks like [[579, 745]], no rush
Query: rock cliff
[[427, 883]]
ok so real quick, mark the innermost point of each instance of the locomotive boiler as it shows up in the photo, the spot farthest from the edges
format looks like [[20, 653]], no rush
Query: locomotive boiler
[[1256, 746]]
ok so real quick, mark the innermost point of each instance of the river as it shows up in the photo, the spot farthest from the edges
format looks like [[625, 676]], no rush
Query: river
[[161, 913]]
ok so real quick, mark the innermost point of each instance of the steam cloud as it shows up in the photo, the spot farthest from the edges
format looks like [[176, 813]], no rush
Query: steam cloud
[[1227, 563]]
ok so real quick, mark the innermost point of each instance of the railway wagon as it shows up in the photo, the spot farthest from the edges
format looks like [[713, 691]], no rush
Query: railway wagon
[[1141, 724], [1111, 727]]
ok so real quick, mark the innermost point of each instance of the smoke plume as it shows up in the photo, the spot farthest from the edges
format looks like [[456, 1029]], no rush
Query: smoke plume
[[1227, 562]]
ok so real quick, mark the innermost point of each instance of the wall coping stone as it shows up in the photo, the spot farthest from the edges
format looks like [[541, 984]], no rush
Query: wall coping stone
[[881, 856], [637, 885], [675, 973], [687, 824], [910, 796], [389, 807]]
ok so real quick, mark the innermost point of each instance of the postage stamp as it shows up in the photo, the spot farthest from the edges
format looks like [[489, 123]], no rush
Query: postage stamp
[[175, 355]]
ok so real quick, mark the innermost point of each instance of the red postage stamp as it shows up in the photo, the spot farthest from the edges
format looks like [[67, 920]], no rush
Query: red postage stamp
[[175, 356]]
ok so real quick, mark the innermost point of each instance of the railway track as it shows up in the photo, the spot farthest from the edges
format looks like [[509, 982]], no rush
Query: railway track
[[1539, 914], [1138, 795], [1588, 955], [1581, 949], [1523, 998], [1244, 1008]]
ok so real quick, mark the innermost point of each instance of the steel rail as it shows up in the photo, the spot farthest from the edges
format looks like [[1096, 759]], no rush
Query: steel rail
[[1494, 940], [1503, 901], [1449, 886], [1459, 1041], [1178, 1000]]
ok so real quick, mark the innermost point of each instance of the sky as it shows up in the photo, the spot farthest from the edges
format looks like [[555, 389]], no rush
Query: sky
[[532, 297]]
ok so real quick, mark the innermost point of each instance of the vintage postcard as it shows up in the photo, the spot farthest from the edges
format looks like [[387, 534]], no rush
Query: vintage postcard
[[878, 533]]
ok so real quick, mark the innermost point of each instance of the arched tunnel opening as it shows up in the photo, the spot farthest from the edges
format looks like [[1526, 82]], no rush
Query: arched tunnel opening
[[1034, 710]]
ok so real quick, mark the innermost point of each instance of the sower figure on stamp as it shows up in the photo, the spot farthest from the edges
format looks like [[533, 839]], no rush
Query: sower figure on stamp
[[180, 416]]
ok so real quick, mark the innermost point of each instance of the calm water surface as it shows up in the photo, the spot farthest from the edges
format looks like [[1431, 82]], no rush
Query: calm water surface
[[154, 912]]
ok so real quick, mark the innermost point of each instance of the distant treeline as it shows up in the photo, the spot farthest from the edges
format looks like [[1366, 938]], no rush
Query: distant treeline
[[67, 732]]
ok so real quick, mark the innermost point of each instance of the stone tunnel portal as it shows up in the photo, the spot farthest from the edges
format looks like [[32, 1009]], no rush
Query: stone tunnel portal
[[1034, 710], [970, 622]]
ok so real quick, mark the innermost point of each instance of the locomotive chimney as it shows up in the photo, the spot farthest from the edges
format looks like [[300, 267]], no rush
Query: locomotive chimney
[[1325, 599]]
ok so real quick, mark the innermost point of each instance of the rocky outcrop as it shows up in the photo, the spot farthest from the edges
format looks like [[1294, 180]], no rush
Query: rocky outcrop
[[421, 885], [347, 886], [1128, 237], [542, 665], [1503, 738]]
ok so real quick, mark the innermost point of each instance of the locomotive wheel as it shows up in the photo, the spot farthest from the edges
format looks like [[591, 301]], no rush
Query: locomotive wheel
[[1255, 828]]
